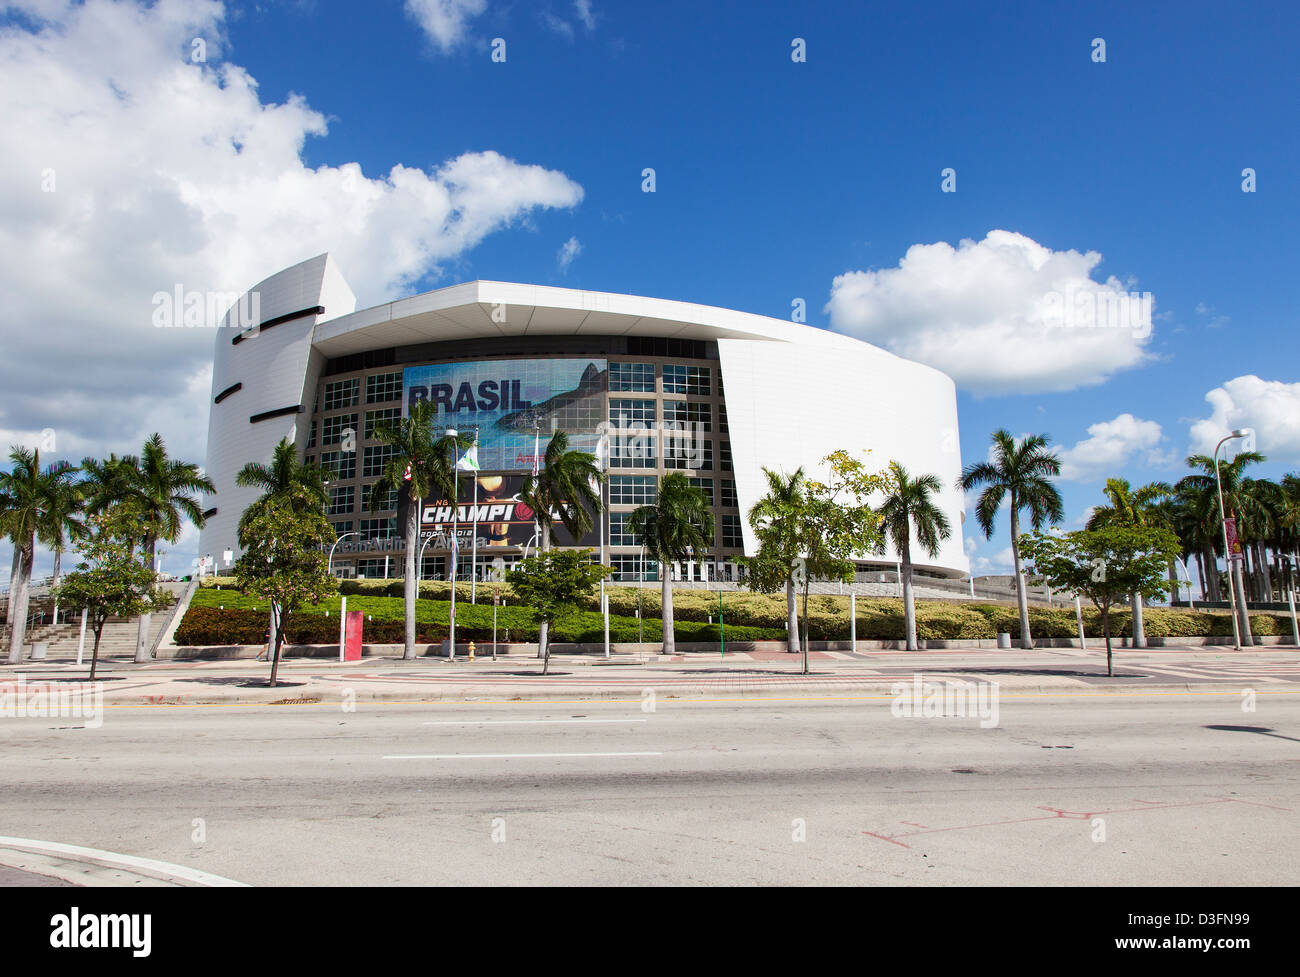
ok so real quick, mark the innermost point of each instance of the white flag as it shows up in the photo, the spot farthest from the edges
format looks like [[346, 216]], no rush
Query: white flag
[[469, 460]]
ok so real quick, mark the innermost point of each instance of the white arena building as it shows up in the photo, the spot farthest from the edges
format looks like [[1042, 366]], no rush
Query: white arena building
[[714, 393]]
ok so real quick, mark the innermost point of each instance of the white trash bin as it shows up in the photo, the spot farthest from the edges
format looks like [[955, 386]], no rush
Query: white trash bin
[[38, 650]]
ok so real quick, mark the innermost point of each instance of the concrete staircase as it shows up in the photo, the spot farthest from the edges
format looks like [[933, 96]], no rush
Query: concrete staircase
[[117, 641]]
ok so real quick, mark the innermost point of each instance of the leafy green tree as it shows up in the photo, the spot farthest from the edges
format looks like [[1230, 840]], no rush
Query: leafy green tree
[[909, 509], [1105, 565], [423, 463], [1023, 471], [111, 580], [566, 489], [30, 500], [284, 562], [1133, 507], [553, 583], [677, 524]]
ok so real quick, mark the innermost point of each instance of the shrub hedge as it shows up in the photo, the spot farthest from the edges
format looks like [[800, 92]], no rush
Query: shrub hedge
[[748, 616]]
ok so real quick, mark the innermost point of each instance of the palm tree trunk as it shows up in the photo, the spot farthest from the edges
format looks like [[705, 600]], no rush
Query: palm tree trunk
[[791, 618], [146, 619], [1026, 639], [410, 586], [1139, 631], [1212, 569], [909, 598], [13, 580], [666, 611], [1243, 613], [19, 598], [1265, 576]]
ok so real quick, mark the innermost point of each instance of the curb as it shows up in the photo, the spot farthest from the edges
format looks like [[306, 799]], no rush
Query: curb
[[332, 696]]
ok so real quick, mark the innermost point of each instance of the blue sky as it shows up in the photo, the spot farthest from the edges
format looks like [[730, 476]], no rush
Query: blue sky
[[772, 178]]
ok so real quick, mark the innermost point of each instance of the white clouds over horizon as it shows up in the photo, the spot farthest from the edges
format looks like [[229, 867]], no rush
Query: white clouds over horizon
[[1112, 445], [168, 172], [131, 169], [1001, 315], [1271, 407]]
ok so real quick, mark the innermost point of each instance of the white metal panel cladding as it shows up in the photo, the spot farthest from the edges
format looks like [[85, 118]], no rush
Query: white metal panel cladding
[[791, 404], [275, 367]]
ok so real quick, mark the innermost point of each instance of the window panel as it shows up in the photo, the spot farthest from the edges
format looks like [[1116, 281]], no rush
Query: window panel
[[690, 380], [376, 458], [383, 387], [632, 377], [342, 393], [341, 464], [375, 419], [632, 490]]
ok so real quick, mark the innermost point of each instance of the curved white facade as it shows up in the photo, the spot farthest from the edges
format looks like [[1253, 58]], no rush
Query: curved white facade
[[793, 393]]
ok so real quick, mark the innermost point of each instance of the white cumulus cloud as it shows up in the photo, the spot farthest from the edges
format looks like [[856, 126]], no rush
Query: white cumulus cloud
[[1001, 315], [1112, 445], [130, 168], [1271, 407], [446, 22]]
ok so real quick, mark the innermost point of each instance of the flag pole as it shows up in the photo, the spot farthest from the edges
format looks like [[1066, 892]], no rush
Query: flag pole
[[473, 560]]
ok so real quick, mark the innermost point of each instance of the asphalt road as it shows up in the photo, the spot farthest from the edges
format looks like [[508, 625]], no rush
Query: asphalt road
[[1129, 789]]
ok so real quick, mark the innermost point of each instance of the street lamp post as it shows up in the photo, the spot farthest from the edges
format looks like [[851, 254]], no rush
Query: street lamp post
[[1227, 553], [329, 563]]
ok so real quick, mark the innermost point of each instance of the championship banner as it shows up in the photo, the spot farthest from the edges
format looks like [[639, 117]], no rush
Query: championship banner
[[502, 520], [512, 405]]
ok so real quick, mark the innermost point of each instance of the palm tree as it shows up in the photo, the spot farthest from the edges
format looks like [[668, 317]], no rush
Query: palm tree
[[28, 496], [1020, 469], [281, 476], [1236, 501], [678, 523], [64, 525], [1129, 507], [422, 463], [565, 488], [780, 512], [161, 491], [908, 508]]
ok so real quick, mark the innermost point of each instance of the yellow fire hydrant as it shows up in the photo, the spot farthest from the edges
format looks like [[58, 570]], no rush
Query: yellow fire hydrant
[[471, 651]]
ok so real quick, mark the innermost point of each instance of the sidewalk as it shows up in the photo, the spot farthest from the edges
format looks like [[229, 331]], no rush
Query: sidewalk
[[632, 676]]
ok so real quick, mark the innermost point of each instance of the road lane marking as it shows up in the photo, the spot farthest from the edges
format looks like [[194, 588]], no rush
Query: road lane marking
[[524, 722], [505, 756], [112, 859]]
